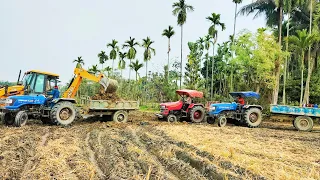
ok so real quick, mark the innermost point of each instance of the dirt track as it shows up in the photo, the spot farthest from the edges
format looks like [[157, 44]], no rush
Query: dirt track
[[141, 149]]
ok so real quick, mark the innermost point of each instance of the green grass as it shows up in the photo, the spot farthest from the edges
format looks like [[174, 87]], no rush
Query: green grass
[[149, 108]]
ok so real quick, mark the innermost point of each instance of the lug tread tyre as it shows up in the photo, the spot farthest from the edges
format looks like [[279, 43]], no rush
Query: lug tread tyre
[[55, 118], [8, 119], [172, 118], [222, 121], [21, 119], [194, 110], [247, 120]]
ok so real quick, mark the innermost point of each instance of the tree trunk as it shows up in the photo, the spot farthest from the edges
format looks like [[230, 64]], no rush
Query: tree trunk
[[231, 81], [211, 94], [129, 70], [147, 70], [302, 67], [181, 56], [207, 73], [286, 63], [277, 64], [112, 67], [168, 59], [136, 76], [234, 24], [307, 89]]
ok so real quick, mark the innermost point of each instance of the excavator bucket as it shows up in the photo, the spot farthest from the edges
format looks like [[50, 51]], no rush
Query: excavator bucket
[[105, 83], [109, 85]]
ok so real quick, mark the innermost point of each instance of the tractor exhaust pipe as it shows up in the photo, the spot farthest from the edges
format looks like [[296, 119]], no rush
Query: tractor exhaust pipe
[[19, 77]]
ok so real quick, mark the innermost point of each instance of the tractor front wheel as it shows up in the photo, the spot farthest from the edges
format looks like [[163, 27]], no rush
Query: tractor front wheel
[[8, 119], [63, 113], [222, 121], [172, 118], [21, 119], [303, 123], [253, 117], [197, 114]]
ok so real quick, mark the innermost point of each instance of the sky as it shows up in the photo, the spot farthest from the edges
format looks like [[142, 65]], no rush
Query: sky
[[48, 35]]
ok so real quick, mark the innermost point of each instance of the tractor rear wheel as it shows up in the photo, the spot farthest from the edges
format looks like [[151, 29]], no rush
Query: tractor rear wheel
[[303, 123], [222, 121], [8, 119], [120, 116], [197, 114], [21, 119], [253, 117], [172, 118], [63, 113]]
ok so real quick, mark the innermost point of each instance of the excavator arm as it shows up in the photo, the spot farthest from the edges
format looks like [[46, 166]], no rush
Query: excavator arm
[[79, 75]]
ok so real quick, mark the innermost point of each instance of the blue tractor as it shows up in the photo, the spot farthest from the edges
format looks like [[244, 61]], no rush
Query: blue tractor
[[243, 113], [40, 100]]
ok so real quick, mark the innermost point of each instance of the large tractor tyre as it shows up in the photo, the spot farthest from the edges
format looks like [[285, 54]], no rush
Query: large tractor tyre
[[172, 118], [21, 119], [253, 117], [63, 113], [197, 114], [222, 121], [120, 116], [8, 119], [303, 123]]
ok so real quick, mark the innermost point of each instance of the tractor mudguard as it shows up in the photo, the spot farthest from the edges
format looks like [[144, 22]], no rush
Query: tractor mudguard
[[64, 99], [193, 105], [252, 106]]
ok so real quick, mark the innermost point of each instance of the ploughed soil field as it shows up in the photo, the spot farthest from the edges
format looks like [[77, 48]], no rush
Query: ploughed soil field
[[145, 148]]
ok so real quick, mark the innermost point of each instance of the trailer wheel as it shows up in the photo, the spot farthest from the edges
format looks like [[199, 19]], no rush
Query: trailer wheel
[[172, 118], [8, 119], [120, 116], [21, 119], [303, 123], [197, 114], [63, 113], [222, 121], [211, 120], [253, 117]]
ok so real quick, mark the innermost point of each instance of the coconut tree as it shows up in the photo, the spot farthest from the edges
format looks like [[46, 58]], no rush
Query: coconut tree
[[131, 54], [300, 43], [102, 58], [79, 62], [107, 69], [168, 33], [235, 17], [94, 69], [213, 32], [148, 51], [122, 62], [180, 9], [136, 66], [207, 42], [114, 51]]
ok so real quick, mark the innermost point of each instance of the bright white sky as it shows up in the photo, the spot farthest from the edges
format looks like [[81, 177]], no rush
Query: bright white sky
[[48, 35]]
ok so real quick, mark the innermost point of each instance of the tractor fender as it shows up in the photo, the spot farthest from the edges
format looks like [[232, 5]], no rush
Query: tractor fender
[[193, 105], [64, 99], [252, 106]]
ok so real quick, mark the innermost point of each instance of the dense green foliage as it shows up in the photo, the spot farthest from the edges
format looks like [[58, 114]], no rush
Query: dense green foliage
[[279, 61]]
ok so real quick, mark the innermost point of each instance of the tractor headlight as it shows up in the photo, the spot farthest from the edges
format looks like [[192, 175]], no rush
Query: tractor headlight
[[212, 108], [9, 102], [162, 107]]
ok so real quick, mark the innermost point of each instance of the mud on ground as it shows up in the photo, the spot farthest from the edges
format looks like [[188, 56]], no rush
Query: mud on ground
[[143, 148]]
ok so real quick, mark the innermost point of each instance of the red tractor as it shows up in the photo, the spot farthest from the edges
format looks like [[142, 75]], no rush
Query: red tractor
[[185, 108]]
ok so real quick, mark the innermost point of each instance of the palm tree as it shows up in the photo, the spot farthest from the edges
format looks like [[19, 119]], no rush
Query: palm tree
[[102, 58], [132, 50], [235, 17], [300, 44], [107, 69], [168, 33], [200, 41], [136, 66], [148, 50], [79, 62], [94, 69], [215, 21], [122, 62], [114, 51], [180, 9]]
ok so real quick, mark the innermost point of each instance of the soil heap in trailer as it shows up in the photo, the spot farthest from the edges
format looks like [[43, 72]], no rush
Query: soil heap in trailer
[[247, 114], [186, 108]]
